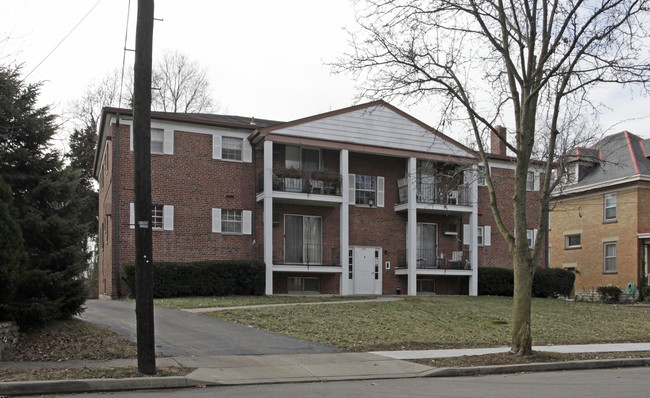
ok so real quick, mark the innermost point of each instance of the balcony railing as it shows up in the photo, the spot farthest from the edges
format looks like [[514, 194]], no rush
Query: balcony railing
[[323, 182], [429, 259], [434, 194], [304, 254]]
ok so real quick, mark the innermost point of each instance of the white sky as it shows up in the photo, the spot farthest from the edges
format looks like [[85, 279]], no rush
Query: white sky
[[264, 58]]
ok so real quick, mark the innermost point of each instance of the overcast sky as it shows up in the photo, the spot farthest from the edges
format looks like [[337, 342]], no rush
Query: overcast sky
[[264, 58]]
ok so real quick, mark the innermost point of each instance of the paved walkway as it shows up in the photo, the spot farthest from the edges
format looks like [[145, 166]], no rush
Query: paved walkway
[[180, 333]]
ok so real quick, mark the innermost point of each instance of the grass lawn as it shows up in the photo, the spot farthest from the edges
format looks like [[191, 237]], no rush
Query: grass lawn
[[431, 322], [236, 301]]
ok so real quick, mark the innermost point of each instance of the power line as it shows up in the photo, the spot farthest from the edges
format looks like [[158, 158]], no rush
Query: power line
[[62, 40], [126, 35]]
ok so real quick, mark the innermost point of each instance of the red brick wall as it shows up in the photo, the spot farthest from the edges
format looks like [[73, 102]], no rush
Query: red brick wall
[[498, 253]]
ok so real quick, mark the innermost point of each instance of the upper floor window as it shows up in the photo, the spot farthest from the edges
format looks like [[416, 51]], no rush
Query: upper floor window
[[610, 207], [480, 176], [366, 187], [157, 141], [162, 217], [530, 237], [157, 220], [236, 222], [231, 221], [231, 148]]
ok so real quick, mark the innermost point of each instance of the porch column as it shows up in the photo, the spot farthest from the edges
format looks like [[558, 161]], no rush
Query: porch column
[[268, 216], [344, 223], [473, 244], [411, 226]]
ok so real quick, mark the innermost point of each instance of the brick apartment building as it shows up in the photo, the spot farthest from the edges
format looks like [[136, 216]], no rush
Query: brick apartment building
[[329, 202], [600, 218]]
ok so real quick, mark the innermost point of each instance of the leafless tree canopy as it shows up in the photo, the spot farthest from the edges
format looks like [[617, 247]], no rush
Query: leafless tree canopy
[[530, 65], [181, 86]]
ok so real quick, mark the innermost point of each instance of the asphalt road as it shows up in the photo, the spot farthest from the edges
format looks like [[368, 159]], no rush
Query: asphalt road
[[180, 333], [629, 383]]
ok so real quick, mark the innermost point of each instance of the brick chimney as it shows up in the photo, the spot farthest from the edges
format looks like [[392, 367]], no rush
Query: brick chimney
[[497, 146]]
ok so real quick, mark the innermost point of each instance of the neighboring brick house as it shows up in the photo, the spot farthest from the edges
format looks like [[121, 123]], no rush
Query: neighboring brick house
[[600, 218], [328, 202]]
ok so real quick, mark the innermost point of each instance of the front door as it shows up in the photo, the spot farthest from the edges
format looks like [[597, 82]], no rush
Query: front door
[[364, 270]]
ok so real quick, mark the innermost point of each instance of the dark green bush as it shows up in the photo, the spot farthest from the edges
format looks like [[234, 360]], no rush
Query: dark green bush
[[547, 282], [553, 282], [495, 281], [203, 278], [609, 294], [645, 293]]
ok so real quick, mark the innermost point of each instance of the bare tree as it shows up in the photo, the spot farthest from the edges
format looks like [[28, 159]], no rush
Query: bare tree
[[181, 85], [530, 63], [86, 110]]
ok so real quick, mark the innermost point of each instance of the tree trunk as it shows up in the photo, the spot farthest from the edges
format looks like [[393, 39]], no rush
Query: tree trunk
[[522, 340]]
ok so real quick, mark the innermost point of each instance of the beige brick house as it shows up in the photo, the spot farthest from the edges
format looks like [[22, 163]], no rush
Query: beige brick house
[[600, 217]]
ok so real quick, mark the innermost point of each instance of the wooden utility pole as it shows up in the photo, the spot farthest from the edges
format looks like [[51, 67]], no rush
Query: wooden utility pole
[[142, 185]]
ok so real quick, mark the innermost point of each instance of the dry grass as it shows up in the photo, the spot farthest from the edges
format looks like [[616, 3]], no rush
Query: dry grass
[[85, 373], [435, 322], [238, 301]]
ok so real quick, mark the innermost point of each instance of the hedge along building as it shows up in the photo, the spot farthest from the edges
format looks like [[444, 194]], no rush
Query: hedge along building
[[363, 200]]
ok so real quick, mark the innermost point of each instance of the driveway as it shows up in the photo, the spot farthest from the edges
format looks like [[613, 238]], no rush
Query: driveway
[[180, 333]]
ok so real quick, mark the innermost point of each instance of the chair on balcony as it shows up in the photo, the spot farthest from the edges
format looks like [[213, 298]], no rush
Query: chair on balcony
[[317, 186], [452, 198]]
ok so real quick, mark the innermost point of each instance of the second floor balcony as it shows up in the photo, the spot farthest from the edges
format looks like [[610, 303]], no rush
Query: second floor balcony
[[427, 259], [320, 182], [436, 194]]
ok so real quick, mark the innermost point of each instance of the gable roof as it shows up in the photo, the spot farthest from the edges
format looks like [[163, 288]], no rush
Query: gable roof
[[373, 124], [617, 156]]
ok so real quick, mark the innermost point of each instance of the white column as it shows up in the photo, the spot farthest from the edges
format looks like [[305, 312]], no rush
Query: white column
[[473, 244], [411, 235], [344, 223], [268, 215]]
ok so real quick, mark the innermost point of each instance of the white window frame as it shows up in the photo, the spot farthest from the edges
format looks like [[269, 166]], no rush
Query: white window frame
[[567, 241], [233, 144], [217, 149], [246, 221], [480, 176], [610, 206], [157, 139], [167, 140], [231, 221], [606, 258], [483, 235], [167, 217], [379, 190]]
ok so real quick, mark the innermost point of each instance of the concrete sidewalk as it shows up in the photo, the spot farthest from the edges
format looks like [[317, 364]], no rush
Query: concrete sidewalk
[[271, 369]]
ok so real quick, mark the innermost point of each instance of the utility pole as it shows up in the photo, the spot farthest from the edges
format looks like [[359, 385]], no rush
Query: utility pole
[[142, 185]]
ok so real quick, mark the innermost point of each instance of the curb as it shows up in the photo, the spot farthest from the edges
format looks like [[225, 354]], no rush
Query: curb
[[540, 367], [157, 383], [95, 385]]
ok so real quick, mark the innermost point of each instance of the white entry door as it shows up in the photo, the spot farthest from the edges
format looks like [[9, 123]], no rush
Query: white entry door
[[364, 270]]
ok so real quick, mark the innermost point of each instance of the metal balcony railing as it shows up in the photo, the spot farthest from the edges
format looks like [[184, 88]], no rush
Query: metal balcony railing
[[434, 194], [323, 182], [429, 259], [311, 254]]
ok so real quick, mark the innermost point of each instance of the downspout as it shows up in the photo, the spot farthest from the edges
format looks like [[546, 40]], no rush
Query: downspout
[[254, 216], [116, 218]]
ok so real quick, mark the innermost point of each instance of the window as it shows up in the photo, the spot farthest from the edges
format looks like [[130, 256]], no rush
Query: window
[[610, 256], [572, 241], [157, 220], [530, 181], [162, 217], [610, 207], [303, 284], [231, 221], [157, 141], [231, 148], [483, 235], [366, 187], [571, 173], [480, 176], [530, 237], [479, 235]]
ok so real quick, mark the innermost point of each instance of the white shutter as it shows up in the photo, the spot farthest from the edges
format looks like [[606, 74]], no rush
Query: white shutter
[[131, 138], [216, 220], [380, 191], [247, 151], [216, 147], [168, 218], [487, 235], [168, 142], [352, 178], [246, 218], [534, 236], [466, 234], [131, 215], [536, 181]]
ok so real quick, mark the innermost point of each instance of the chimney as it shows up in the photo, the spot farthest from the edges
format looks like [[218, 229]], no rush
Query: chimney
[[497, 146]]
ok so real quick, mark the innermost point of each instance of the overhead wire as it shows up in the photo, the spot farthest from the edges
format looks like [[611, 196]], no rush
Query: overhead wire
[[62, 40], [126, 35]]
